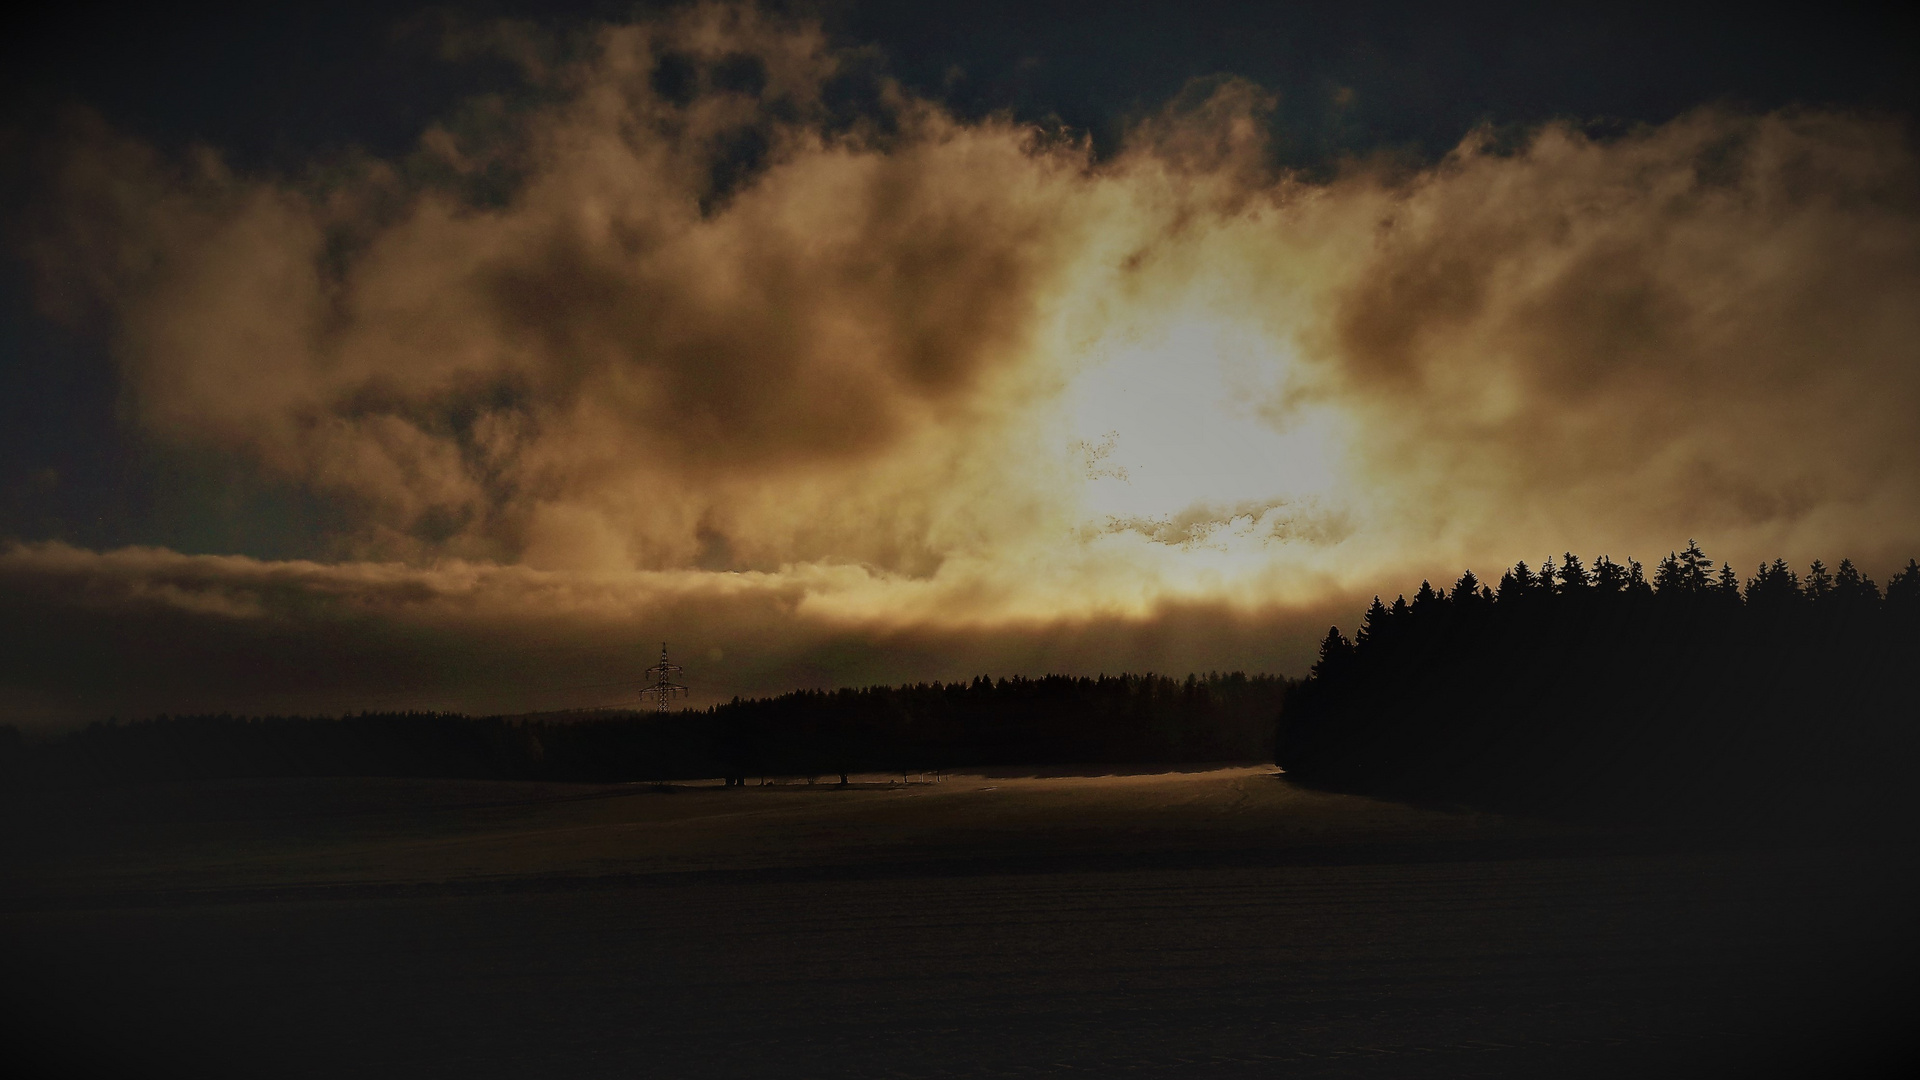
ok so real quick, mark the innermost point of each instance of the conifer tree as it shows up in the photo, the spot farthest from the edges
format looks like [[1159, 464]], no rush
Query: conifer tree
[[1903, 589], [1818, 584], [1668, 576], [1335, 653], [1425, 598], [1694, 568], [1608, 576], [1516, 582], [1376, 623], [1637, 578], [1573, 576], [1728, 588], [1854, 589], [1774, 586]]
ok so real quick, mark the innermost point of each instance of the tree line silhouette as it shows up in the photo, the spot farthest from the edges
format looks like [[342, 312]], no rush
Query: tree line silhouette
[[1055, 720], [1591, 690], [1574, 688]]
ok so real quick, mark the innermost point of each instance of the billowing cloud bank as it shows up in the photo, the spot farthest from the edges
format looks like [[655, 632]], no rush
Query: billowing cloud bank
[[706, 312]]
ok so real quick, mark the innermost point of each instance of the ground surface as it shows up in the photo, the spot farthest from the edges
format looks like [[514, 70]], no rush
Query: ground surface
[[1216, 923]]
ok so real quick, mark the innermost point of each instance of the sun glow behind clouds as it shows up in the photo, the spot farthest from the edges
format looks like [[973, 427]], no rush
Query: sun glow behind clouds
[[936, 373], [1185, 415], [1182, 460]]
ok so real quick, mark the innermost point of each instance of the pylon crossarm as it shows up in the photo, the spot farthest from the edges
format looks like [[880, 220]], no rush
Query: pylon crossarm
[[663, 688]]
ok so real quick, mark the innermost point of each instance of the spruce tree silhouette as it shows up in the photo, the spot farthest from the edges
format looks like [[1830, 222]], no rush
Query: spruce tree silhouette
[[1903, 589], [1573, 576], [1608, 576], [1465, 592], [1852, 590], [1727, 584], [1818, 584], [1637, 579]]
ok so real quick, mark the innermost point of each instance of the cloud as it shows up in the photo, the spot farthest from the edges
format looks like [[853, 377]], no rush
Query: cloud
[[704, 309], [1695, 329], [1277, 520], [708, 316], [86, 635]]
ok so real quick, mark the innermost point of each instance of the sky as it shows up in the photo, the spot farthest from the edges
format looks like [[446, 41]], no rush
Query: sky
[[392, 356]]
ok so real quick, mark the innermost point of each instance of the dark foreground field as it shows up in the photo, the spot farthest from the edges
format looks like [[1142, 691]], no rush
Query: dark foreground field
[[1221, 923]]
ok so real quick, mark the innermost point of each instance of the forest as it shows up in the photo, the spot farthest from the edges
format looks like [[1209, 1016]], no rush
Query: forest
[[1055, 720], [1571, 689], [1593, 691]]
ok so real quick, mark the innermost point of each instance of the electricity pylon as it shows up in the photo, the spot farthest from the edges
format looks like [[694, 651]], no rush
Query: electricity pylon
[[664, 689]]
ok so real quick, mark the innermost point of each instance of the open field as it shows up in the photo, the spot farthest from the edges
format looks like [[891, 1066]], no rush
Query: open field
[[1208, 923]]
